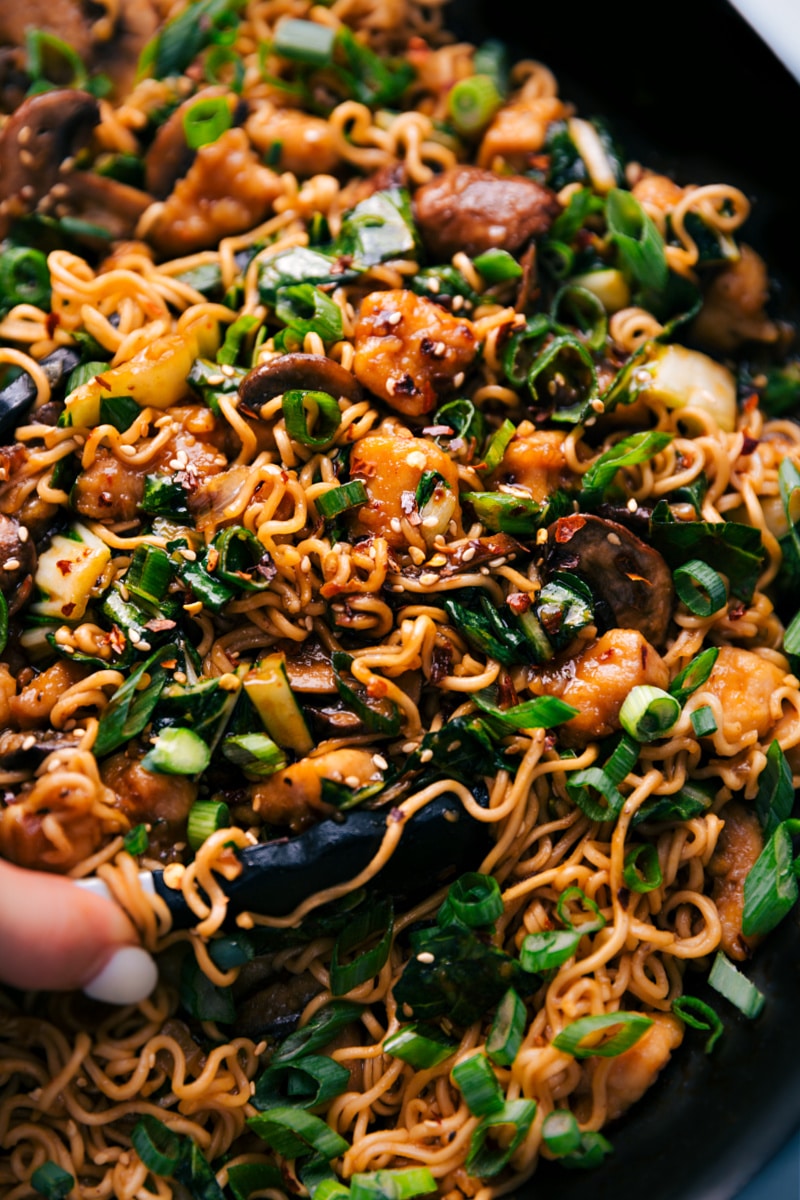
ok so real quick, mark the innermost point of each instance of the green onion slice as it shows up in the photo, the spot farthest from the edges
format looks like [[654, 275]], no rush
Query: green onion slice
[[581, 308], [318, 408], [235, 336], [560, 1132], [293, 1133], [474, 899], [314, 1079], [497, 447], [508, 1029], [588, 905], [399, 1184], [694, 674], [638, 448], [205, 818], [770, 889], [52, 1181], [699, 1015], [703, 720], [318, 1032], [157, 1146], [420, 1050], [248, 1177], [591, 1152], [729, 981], [472, 102], [304, 41], [595, 794], [549, 949], [496, 266], [341, 499], [206, 121], [24, 277], [478, 1084], [378, 918], [381, 716], [136, 840], [484, 1161], [254, 753], [775, 796], [629, 1027], [543, 712], [642, 872], [700, 588], [619, 766], [648, 713]]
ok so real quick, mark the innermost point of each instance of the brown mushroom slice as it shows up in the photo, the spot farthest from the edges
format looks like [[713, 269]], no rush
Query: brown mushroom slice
[[466, 208], [627, 575], [17, 562], [309, 669], [306, 372], [99, 200], [44, 132]]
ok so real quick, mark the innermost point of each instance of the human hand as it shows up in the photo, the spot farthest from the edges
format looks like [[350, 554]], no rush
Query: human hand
[[56, 936]]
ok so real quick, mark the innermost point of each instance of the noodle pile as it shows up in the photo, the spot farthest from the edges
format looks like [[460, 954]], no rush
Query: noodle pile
[[412, 620]]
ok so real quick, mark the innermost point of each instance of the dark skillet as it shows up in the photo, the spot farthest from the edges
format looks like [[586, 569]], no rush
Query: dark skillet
[[689, 89]]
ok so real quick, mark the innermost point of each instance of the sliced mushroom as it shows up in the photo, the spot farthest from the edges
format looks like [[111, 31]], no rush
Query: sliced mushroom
[[309, 372], [21, 750], [44, 132], [17, 562], [275, 1009], [629, 578], [99, 200], [14, 77], [310, 669]]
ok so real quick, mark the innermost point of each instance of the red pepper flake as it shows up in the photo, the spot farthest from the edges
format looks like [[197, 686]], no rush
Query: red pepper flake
[[750, 403], [748, 445], [67, 609], [377, 688], [567, 527], [169, 664], [103, 383], [65, 566], [736, 611], [213, 558], [519, 602], [52, 322]]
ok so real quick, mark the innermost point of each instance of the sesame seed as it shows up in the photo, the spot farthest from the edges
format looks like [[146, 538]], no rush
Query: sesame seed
[[597, 405], [497, 562], [483, 570], [614, 539], [439, 350], [395, 525], [429, 579], [12, 564], [430, 522], [227, 371], [433, 285], [458, 379], [394, 319], [229, 682], [189, 555], [180, 677], [438, 560], [29, 742], [128, 451], [426, 755], [408, 747], [305, 564], [417, 556], [416, 459], [541, 537], [458, 302], [143, 646], [425, 957], [632, 505], [135, 636], [23, 533], [215, 380], [352, 781], [391, 385], [468, 554], [380, 762]]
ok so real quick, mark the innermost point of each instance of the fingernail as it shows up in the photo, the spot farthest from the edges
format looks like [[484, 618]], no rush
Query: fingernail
[[128, 976]]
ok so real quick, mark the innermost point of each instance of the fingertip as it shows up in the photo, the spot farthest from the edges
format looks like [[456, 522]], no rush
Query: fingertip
[[129, 975]]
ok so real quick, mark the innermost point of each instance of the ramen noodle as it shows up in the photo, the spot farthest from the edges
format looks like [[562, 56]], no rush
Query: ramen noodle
[[388, 463]]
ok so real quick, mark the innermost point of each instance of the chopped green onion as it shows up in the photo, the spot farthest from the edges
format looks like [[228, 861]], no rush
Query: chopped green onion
[[472, 103], [420, 1050], [700, 588], [496, 266], [629, 1026], [474, 899], [323, 411], [318, 1032], [3, 622], [205, 818], [703, 720], [136, 840], [588, 905], [400, 1183], [304, 41], [478, 1085], [485, 1161], [157, 1146], [381, 716], [591, 1152], [619, 766], [491, 58], [775, 796], [497, 447], [563, 378], [508, 512], [648, 713], [770, 889], [729, 981], [254, 753], [248, 1177], [543, 712], [636, 236], [306, 309], [24, 277], [206, 121], [119, 411], [178, 751], [293, 1132], [131, 706], [149, 574], [549, 949], [693, 675], [595, 794], [235, 336], [52, 1181], [638, 448], [243, 561], [642, 872], [463, 418], [378, 918], [791, 638], [429, 481], [560, 1132], [341, 499], [699, 1015], [581, 308], [507, 1031], [314, 1079]]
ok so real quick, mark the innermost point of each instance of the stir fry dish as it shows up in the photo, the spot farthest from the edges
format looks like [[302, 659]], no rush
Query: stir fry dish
[[399, 557]]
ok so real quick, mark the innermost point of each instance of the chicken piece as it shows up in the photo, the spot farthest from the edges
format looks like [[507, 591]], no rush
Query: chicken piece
[[631, 1073], [24, 840], [519, 131], [225, 191], [109, 490], [32, 707], [305, 145], [391, 469], [733, 306], [744, 683], [409, 351], [163, 801], [472, 210], [169, 156], [534, 460], [738, 847], [598, 680], [294, 797]]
